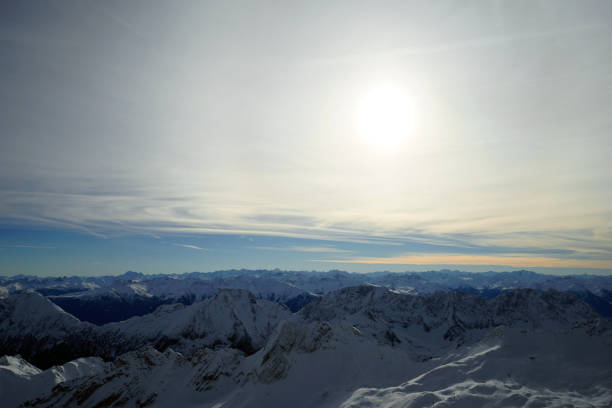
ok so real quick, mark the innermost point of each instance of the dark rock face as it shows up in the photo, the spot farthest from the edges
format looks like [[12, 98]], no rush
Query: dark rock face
[[298, 302], [47, 351]]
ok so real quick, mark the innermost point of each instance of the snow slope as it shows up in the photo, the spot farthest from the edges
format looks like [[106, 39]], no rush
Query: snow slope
[[21, 381], [515, 368]]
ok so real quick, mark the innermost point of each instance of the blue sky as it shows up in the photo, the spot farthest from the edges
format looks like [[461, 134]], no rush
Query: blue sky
[[165, 137]]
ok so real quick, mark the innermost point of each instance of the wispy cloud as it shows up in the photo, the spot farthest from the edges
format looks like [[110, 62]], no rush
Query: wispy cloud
[[518, 260], [190, 246], [28, 246], [299, 248], [255, 149], [453, 46]]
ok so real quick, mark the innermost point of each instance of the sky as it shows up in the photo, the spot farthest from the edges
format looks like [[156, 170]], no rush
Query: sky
[[168, 137]]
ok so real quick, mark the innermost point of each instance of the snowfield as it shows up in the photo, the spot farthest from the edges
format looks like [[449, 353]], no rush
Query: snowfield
[[513, 369]]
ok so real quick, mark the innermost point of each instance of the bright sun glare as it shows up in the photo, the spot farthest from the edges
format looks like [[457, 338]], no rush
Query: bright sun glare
[[383, 117]]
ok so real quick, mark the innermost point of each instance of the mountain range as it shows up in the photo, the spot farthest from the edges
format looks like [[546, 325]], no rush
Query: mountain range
[[107, 299], [351, 341]]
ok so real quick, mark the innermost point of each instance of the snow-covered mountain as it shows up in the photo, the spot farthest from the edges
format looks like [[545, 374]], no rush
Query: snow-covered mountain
[[40, 331], [233, 317], [285, 284], [20, 380], [123, 298], [113, 298], [43, 333], [425, 324], [194, 287], [352, 347]]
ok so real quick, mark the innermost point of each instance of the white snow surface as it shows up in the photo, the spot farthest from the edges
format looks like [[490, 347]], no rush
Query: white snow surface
[[531, 369]]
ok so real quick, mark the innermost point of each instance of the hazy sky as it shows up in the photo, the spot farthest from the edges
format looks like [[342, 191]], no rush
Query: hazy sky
[[176, 136]]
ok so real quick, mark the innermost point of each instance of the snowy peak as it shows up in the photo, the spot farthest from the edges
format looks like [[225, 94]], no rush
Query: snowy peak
[[32, 326], [239, 316], [234, 296], [406, 320], [140, 378], [542, 308], [348, 301], [20, 380], [28, 312], [232, 317], [508, 308], [379, 302]]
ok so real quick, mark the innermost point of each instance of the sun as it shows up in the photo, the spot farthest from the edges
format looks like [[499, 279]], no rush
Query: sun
[[384, 117]]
